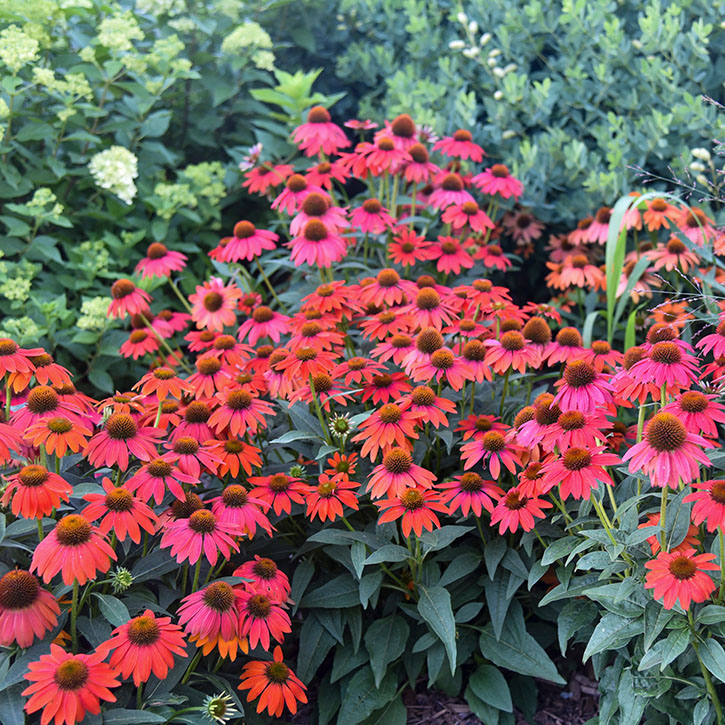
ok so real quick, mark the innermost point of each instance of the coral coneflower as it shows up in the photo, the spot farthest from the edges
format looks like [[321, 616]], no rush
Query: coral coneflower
[[139, 343], [120, 511], [164, 383], [470, 492], [575, 429], [492, 257], [396, 473], [461, 146], [408, 248], [42, 403], [201, 533], [695, 225], [384, 324], [679, 576], [449, 190], [325, 173], [698, 411], [75, 549], [578, 471], [278, 490], [266, 176], [294, 193], [387, 289], [127, 299], [67, 686], [264, 322], [498, 180], [467, 214], [49, 372], [190, 456], [156, 477], [658, 214], [709, 504], [319, 134], [265, 577], [121, 437], [239, 507], [673, 255], [160, 261], [328, 497], [474, 356], [417, 509], [391, 425], [515, 510], [27, 610], [144, 645], [668, 453], [450, 256], [239, 411], [214, 305], [236, 455], [318, 207], [35, 492], [567, 347], [582, 388], [666, 364], [493, 447], [510, 352], [211, 614], [210, 377], [431, 407], [533, 430], [476, 426], [443, 365], [274, 683], [429, 309], [419, 170], [261, 616]]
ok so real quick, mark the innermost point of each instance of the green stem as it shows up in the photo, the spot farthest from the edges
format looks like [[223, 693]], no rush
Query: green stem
[[195, 585], [73, 616], [269, 285], [40, 529], [722, 569], [505, 391], [191, 667], [139, 696], [705, 674], [538, 536], [158, 414], [177, 291], [560, 505], [663, 513], [8, 396], [163, 342], [318, 410]]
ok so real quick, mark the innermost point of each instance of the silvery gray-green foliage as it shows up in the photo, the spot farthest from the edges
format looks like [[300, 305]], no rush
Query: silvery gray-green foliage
[[576, 92]]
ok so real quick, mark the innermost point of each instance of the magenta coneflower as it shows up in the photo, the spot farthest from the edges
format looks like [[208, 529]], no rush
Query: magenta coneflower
[[160, 261], [498, 180], [317, 245], [575, 429], [156, 477], [450, 256], [127, 299], [265, 577], [120, 438], [510, 352], [461, 146], [668, 453], [296, 189], [247, 243], [467, 214], [210, 613], [577, 472], [715, 342], [666, 364], [583, 388], [698, 411], [396, 473], [449, 190], [239, 507], [201, 533], [318, 133], [469, 492], [515, 510], [372, 217], [261, 616]]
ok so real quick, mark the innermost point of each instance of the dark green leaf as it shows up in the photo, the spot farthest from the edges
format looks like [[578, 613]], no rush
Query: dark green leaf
[[342, 591], [434, 605], [362, 698], [385, 641], [315, 643], [713, 657], [612, 632], [489, 684]]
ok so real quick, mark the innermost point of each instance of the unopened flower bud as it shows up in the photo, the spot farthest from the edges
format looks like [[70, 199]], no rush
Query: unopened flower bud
[[508, 134], [702, 179], [473, 27], [491, 62], [510, 68], [297, 471], [456, 44], [121, 580], [498, 95], [471, 52], [702, 154], [484, 39], [697, 167], [462, 18], [494, 53], [499, 72]]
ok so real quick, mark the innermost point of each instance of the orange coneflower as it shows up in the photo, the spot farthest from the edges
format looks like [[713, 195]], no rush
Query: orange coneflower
[[58, 434], [239, 411], [120, 437], [214, 305], [417, 509], [164, 383], [278, 490], [210, 377], [327, 498], [388, 426], [127, 299], [236, 455], [659, 214], [35, 492], [396, 473], [514, 510], [679, 576], [240, 508]]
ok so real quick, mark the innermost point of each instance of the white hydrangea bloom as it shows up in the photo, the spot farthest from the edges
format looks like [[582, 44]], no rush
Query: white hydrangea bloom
[[93, 313], [115, 169], [117, 32], [160, 7], [17, 48], [250, 36]]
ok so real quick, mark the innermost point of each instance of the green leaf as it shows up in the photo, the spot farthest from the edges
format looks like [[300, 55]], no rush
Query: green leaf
[[573, 617], [711, 614], [315, 643], [656, 618], [394, 713], [385, 641], [559, 549], [388, 553], [498, 603], [461, 566], [340, 592], [153, 566], [443, 537], [358, 552], [11, 705], [369, 584], [294, 435], [434, 605], [676, 643], [489, 684], [485, 712], [131, 717], [612, 632], [362, 697], [156, 124], [713, 657], [114, 610], [677, 521]]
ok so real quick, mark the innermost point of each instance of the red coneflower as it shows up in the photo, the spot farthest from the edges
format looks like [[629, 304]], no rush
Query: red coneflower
[[397, 348], [278, 490], [668, 452], [679, 576], [384, 324], [604, 356], [510, 352], [516, 510], [201, 533], [577, 472], [318, 133], [156, 477], [27, 610], [127, 299], [190, 456], [146, 644], [259, 617], [240, 508], [160, 261], [195, 423], [332, 298], [417, 509], [122, 512], [327, 498], [460, 145], [469, 492], [274, 683], [396, 473], [387, 289], [236, 455], [498, 180], [407, 248], [75, 549], [214, 305], [391, 425], [35, 492], [120, 437], [494, 447], [67, 686]]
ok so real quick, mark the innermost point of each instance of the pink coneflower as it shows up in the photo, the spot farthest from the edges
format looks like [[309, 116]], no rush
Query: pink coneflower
[[317, 245], [474, 355], [324, 173], [420, 169], [469, 492], [391, 425], [532, 431], [449, 190], [372, 217], [461, 146], [599, 227], [278, 491], [709, 504], [387, 289], [385, 387], [432, 408], [578, 471], [240, 508], [296, 189], [523, 227], [515, 510], [318, 206], [360, 124], [666, 364], [567, 347], [66, 686], [319, 134], [417, 509], [120, 438], [139, 343], [201, 533], [146, 644], [429, 309], [510, 352], [239, 411], [443, 364], [583, 388], [626, 389], [265, 577], [498, 180], [260, 616], [127, 299], [492, 257], [401, 130], [27, 610], [384, 155], [575, 429], [211, 614], [467, 214], [214, 305], [247, 243], [408, 248], [695, 225], [495, 448], [191, 457], [119, 511], [397, 473], [264, 322], [450, 256], [668, 453], [75, 549], [156, 477], [679, 576], [673, 255], [328, 497], [160, 261], [575, 271], [698, 411], [603, 355], [713, 343], [261, 178]]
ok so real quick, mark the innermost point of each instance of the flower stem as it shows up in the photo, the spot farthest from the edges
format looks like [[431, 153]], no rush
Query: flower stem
[[705, 674], [73, 616], [191, 668], [40, 530], [163, 342], [722, 569], [269, 286], [139, 696], [179, 295], [318, 410], [663, 513], [195, 584], [505, 391]]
